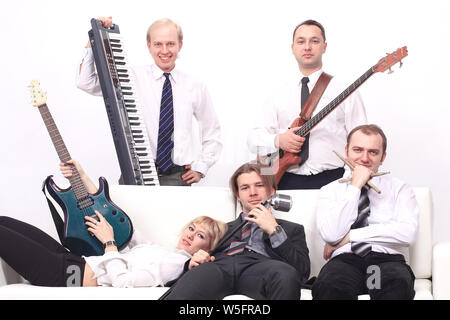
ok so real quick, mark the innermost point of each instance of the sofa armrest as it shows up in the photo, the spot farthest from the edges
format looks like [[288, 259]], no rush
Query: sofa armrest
[[441, 270], [8, 275]]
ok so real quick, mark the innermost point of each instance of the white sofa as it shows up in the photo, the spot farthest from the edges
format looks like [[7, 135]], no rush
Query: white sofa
[[160, 212]]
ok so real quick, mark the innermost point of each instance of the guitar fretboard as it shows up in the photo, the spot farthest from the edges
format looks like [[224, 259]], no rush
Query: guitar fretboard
[[63, 154], [311, 123]]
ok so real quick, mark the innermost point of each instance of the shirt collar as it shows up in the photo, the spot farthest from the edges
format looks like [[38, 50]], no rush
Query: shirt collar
[[159, 74], [313, 77]]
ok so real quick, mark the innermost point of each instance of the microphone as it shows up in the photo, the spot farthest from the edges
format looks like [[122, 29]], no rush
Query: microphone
[[280, 202]]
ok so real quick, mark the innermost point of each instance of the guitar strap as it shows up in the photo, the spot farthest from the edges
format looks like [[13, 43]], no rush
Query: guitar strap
[[314, 97], [59, 223]]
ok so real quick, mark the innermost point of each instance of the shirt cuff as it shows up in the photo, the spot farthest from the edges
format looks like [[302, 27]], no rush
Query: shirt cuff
[[277, 239], [200, 167], [261, 143], [353, 192]]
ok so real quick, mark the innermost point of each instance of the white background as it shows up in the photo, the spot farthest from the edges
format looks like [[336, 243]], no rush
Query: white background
[[240, 49]]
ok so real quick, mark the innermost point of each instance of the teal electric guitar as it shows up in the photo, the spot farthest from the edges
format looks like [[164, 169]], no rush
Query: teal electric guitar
[[70, 206]]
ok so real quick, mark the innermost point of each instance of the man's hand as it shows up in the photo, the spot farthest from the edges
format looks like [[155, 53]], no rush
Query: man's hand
[[263, 217], [329, 249], [360, 176], [289, 141], [106, 23], [200, 257], [191, 176]]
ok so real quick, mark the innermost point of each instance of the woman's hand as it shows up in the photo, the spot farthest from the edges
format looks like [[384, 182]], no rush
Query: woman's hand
[[68, 168], [200, 257], [101, 229]]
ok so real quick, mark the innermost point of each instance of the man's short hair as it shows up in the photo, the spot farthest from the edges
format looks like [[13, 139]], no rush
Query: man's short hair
[[369, 129], [268, 180], [311, 23], [165, 21]]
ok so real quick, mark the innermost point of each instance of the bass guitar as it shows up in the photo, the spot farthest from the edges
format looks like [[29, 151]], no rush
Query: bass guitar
[[70, 206], [282, 160]]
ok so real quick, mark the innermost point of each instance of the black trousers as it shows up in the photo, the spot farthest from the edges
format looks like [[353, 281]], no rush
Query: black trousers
[[37, 257], [382, 276], [248, 273], [315, 181]]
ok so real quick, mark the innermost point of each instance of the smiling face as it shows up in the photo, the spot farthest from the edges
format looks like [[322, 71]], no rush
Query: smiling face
[[194, 238], [164, 45], [366, 150], [252, 190], [308, 47]]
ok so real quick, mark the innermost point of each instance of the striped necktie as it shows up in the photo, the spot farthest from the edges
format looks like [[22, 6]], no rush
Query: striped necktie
[[304, 153], [362, 248], [165, 133], [239, 246]]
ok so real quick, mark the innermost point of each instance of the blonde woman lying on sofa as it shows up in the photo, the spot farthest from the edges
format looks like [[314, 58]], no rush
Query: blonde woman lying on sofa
[[43, 261]]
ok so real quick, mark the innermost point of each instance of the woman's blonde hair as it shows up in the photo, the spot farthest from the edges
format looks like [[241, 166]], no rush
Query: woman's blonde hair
[[215, 229]]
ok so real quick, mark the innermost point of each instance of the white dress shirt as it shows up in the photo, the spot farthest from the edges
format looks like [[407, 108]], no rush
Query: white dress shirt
[[284, 107], [393, 220], [190, 98], [140, 264]]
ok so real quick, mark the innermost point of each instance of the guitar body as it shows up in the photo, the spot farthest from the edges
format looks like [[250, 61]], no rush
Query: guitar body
[[70, 222], [287, 159]]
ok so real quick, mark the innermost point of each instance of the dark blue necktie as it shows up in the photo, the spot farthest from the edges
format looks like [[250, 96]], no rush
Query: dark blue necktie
[[362, 248], [304, 153], [165, 133]]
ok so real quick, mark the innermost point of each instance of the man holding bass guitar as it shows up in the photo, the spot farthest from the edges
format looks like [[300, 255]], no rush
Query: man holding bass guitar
[[274, 128]]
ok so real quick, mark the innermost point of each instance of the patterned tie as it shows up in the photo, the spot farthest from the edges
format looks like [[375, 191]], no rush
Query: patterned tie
[[304, 153], [165, 133], [362, 248], [239, 246]]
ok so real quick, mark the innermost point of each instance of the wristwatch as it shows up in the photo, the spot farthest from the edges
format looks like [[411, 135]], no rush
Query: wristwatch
[[109, 243], [277, 230]]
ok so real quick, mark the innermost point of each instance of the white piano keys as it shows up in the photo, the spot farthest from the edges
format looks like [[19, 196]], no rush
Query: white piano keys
[[140, 139]]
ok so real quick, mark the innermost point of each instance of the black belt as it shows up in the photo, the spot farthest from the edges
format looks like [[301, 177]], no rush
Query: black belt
[[171, 170]]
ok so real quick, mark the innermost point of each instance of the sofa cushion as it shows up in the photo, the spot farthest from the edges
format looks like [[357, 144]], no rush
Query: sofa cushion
[[28, 292], [160, 213]]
